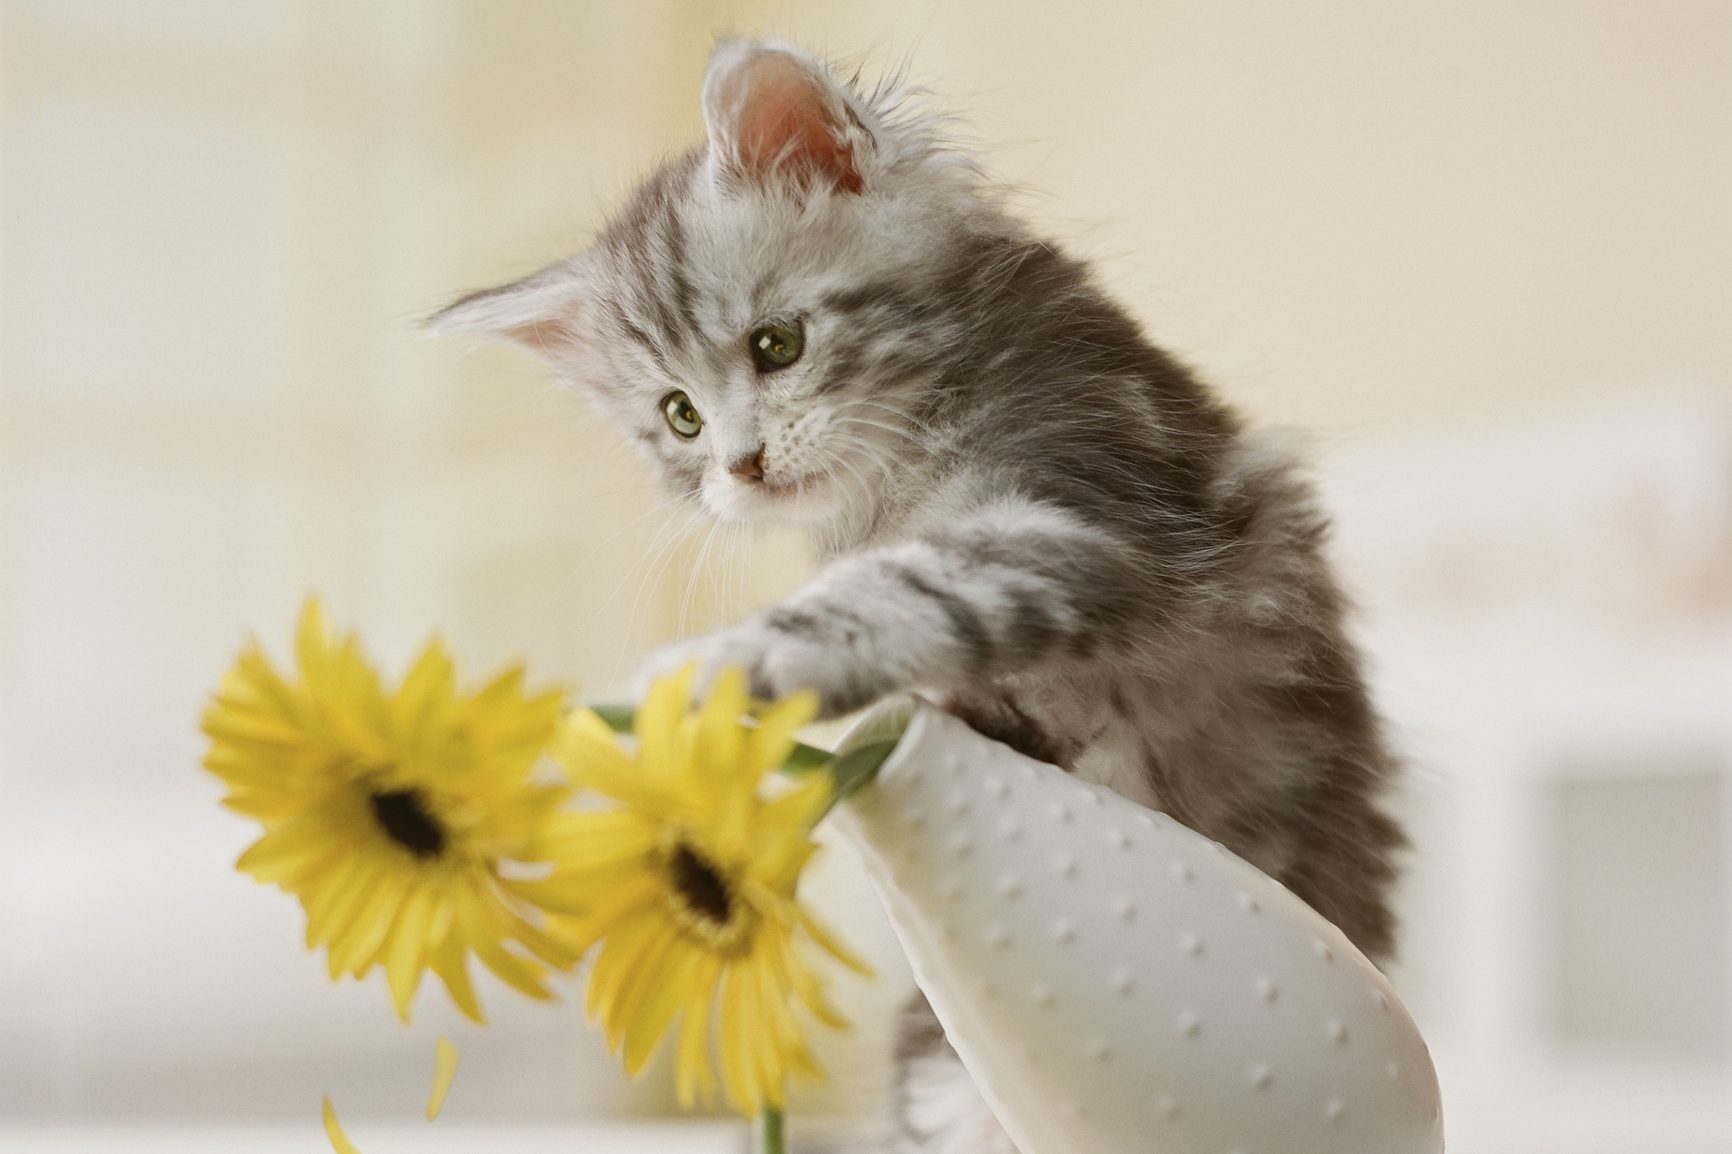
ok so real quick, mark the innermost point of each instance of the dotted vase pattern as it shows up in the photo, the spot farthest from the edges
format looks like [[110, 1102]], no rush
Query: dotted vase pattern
[[1119, 984]]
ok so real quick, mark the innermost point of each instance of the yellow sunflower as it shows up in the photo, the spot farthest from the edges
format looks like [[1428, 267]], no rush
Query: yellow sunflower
[[393, 816], [688, 884]]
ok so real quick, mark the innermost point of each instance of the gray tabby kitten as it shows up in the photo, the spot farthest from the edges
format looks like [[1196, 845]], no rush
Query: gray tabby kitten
[[825, 316]]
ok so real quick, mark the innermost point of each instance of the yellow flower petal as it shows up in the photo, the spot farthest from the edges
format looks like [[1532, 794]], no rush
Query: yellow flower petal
[[285, 850], [557, 950], [832, 945], [444, 1070], [620, 957], [363, 927], [625, 897], [588, 841], [520, 974], [502, 692], [773, 738], [694, 1079], [332, 899], [238, 725], [403, 961], [428, 684], [659, 720], [720, 736], [591, 755], [663, 996], [626, 1017], [561, 895], [450, 962], [334, 1131], [738, 1029]]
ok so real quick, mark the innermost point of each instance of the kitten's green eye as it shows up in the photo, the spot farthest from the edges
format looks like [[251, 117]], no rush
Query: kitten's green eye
[[777, 346], [682, 418]]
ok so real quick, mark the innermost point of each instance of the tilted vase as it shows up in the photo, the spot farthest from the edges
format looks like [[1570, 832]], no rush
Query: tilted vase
[[1117, 983]]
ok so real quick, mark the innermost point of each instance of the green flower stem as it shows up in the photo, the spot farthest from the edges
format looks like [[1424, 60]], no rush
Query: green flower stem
[[770, 1139], [858, 767]]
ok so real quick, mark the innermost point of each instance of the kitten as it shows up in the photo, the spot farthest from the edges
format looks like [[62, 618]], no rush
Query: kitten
[[824, 315]]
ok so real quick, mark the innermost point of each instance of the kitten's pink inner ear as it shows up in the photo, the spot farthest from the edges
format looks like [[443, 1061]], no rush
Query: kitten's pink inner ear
[[539, 312], [782, 117], [548, 337]]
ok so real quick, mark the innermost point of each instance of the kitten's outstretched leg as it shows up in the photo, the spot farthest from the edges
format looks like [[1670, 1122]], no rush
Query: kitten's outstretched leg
[[1011, 585]]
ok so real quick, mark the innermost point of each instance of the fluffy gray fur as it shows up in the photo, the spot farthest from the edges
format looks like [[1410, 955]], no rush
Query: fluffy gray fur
[[1027, 508]]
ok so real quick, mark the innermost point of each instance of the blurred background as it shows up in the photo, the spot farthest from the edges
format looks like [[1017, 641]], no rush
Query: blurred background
[[1480, 250]]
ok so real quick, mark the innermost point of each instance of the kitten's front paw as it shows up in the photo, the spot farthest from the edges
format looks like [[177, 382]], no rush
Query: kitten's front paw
[[776, 663], [787, 663]]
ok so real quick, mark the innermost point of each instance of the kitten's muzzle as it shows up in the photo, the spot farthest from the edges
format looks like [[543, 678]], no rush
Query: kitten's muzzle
[[750, 468]]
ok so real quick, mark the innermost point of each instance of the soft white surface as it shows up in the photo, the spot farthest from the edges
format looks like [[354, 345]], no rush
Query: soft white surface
[[597, 1138]]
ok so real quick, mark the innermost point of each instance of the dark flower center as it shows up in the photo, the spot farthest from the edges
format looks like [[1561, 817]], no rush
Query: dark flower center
[[705, 891], [402, 814]]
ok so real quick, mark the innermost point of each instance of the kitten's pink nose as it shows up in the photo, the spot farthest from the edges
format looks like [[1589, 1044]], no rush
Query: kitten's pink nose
[[749, 468]]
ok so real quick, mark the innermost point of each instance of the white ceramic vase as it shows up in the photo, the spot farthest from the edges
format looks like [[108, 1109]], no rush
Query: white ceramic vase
[[1115, 982]]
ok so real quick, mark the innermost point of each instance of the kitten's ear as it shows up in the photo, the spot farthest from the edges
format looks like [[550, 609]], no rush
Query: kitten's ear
[[541, 312], [775, 115]]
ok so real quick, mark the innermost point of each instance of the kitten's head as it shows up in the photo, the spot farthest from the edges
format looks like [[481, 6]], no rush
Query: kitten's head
[[754, 318]]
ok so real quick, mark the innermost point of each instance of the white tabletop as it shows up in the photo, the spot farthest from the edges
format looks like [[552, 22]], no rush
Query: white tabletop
[[376, 1138]]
